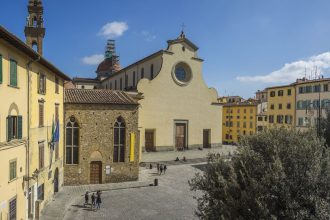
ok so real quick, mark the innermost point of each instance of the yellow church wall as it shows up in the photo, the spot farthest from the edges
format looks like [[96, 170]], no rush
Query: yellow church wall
[[165, 102], [14, 103]]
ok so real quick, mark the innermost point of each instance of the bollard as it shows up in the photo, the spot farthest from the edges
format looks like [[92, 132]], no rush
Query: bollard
[[156, 182]]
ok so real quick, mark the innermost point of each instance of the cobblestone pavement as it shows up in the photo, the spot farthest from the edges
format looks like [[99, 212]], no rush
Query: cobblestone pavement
[[171, 199]]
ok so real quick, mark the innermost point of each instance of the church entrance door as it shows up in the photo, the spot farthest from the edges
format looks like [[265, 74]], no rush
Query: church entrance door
[[180, 136], [206, 138], [96, 172], [149, 140]]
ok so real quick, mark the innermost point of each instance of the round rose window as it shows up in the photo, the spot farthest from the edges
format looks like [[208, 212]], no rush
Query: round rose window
[[182, 74]]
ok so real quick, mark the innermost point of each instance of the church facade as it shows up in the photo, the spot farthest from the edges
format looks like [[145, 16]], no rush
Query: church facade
[[177, 110]]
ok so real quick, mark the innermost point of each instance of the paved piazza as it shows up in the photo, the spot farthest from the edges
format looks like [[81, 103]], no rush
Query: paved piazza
[[171, 199]]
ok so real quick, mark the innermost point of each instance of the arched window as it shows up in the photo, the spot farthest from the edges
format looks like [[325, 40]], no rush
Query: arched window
[[72, 141], [119, 141], [152, 71]]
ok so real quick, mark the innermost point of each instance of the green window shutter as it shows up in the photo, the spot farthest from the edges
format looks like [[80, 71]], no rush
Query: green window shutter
[[9, 128], [0, 68], [19, 127], [13, 73]]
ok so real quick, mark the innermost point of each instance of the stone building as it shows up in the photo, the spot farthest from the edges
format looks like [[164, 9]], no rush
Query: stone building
[[101, 137]]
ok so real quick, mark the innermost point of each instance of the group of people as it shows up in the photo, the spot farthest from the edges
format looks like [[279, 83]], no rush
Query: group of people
[[95, 199], [161, 168]]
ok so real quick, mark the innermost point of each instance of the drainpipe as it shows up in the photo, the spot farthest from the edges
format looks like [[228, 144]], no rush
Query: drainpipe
[[27, 170]]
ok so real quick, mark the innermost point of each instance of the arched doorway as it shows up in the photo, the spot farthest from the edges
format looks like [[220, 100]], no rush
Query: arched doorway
[[56, 181], [96, 172]]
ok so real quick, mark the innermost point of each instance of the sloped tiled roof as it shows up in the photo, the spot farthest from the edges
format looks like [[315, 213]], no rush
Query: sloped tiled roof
[[98, 96]]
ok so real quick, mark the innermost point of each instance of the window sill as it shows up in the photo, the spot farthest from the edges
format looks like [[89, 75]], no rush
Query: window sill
[[40, 93], [13, 180], [14, 87]]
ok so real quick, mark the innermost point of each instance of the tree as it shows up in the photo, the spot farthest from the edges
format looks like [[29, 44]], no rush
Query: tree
[[325, 128], [277, 174]]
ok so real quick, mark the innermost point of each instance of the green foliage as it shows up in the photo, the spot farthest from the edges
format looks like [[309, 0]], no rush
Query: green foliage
[[278, 174], [325, 127]]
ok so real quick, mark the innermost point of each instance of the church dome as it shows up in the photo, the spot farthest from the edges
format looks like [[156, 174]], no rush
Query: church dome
[[105, 66]]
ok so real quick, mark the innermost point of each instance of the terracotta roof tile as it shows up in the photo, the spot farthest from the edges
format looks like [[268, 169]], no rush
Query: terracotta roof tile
[[98, 96]]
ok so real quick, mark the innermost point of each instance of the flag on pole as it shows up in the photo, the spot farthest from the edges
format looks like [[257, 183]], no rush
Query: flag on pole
[[57, 132]]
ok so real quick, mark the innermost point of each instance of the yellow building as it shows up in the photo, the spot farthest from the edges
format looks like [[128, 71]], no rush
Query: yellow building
[[32, 91], [238, 119], [13, 128], [281, 106]]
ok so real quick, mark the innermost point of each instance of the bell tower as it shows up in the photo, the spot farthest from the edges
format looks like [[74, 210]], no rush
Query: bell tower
[[34, 29]]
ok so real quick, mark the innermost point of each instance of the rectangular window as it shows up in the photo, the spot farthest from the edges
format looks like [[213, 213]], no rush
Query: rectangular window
[[110, 85], [57, 85], [121, 84], [272, 94], [126, 81], [288, 106], [280, 93], [279, 119], [237, 116], [41, 192], [41, 114], [316, 104], [56, 112], [13, 73], [238, 111], [14, 127], [300, 121], [308, 89], [244, 111], [301, 90], [251, 124], [41, 155], [42, 83], [12, 170], [325, 86], [317, 88], [271, 119], [251, 111], [238, 124], [272, 106], [134, 79], [288, 119], [260, 118], [279, 106], [244, 124], [142, 73], [1, 69], [115, 84], [12, 209], [289, 92]]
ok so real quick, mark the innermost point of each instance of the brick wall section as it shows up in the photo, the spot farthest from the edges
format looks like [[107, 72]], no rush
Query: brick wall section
[[96, 123]]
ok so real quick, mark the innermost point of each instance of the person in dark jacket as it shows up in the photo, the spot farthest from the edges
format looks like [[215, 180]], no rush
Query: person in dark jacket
[[165, 168], [98, 200], [86, 198], [93, 200]]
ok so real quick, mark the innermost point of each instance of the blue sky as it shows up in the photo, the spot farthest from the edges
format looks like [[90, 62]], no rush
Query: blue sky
[[246, 45]]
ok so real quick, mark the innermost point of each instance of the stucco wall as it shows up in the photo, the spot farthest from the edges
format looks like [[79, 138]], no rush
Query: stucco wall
[[165, 101]]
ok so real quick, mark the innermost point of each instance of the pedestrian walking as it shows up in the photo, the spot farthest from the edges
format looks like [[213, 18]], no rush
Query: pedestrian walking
[[86, 198], [158, 168], [93, 200], [161, 169], [165, 168], [98, 200], [150, 166]]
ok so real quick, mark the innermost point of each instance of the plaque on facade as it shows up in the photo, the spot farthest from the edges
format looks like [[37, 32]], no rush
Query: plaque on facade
[[107, 170]]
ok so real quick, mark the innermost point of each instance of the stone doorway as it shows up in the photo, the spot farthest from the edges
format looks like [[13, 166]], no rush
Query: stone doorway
[[96, 172], [150, 140], [180, 136]]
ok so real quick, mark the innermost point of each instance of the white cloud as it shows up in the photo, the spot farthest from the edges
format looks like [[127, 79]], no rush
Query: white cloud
[[93, 59], [113, 29], [291, 71], [148, 36]]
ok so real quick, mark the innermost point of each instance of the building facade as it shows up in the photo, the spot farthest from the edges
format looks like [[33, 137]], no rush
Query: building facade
[[281, 106], [101, 137], [238, 119], [312, 100], [177, 105], [13, 128]]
